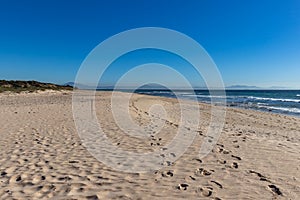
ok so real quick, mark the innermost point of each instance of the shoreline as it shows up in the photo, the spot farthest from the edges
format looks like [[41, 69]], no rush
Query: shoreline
[[202, 102], [234, 106], [67, 92]]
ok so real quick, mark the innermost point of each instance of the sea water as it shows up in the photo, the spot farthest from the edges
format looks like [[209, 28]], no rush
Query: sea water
[[276, 101]]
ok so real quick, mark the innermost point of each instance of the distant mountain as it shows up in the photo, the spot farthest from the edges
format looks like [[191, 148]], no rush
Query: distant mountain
[[278, 87], [19, 86], [79, 86], [242, 87], [88, 87], [152, 86], [110, 87], [245, 87], [69, 84]]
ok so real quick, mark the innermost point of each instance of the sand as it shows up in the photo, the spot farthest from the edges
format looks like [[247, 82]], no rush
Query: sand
[[42, 157]]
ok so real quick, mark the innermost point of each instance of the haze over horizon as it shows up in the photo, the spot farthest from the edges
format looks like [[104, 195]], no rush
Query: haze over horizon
[[252, 42]]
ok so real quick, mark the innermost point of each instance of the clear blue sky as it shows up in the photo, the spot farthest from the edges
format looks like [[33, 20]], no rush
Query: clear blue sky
[[253, 42]]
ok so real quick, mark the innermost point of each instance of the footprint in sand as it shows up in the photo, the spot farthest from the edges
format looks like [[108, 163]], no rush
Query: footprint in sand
[[3, 173], [204, 172], [197, 159], [15, 179], [167, 174], [200, 133], [222, 161], [218, 184], [235, 165], [275, 189], [236, 157], [221, 145], [205, 191], [261, 177], [224, 151], [167, 163], [182, 186]]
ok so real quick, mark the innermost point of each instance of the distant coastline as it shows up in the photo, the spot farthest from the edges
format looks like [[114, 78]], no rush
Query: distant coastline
[[159, 87]]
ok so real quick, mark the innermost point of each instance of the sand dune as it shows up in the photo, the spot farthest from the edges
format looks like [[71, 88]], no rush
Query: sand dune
[[42, 156]]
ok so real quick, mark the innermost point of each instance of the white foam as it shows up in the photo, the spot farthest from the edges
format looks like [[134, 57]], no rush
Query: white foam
[[293, 110], [186, 94], [262, 103], [204, 96], [275, 99]]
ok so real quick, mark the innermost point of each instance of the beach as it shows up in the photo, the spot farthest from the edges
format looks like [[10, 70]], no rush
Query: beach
[[257, 155]]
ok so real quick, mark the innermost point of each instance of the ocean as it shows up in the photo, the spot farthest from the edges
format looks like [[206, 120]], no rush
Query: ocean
[[276, 101]]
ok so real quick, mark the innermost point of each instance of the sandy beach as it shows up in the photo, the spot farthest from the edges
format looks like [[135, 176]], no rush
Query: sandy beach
[[42, 157]]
